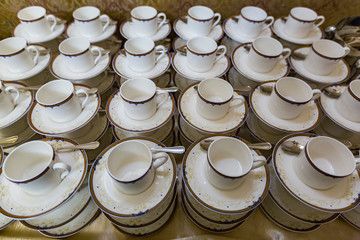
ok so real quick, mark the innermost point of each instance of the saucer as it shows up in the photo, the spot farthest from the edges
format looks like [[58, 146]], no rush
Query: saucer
[[240, 62], [340, 73], [72, 31], [306, 121], [181, 82], [242, 199], [177, 43], [328, 106], [23, 137], [230, 122], [121, 67], [127, 31], [118, 204], [342, 197], [179, 63], [353, 218], [232, 31], [278, 29], [19, 205], [42, 124], [5, 221], [60, 70], [117, 116], [19, 31], [43, 62], [181, 30]]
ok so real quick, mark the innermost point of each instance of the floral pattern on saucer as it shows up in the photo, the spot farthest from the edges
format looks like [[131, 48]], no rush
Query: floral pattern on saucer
[[127, 31], [240, 62], [353, 218], [17, 204], [342, 197], [306, 121], [231, 121], [72, 31]]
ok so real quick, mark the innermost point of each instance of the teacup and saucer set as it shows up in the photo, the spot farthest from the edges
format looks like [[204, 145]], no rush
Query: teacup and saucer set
[[146, 22], [200, 21], [300, 27]]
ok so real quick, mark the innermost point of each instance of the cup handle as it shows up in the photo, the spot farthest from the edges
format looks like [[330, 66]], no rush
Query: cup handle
[[162, 49], [258, 161], [82, 91], [269, 20], [237, 97], [286, 52], [105, 18], [223, 49], [11, 88], [316, 94], [94, 50], [51, 18], [159, 16], [160, 93], [159, 159], [347, 51], [37, 53], [217, 16], [319, 20], [62, 166]]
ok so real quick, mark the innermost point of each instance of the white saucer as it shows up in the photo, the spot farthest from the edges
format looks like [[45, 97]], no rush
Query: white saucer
[[72, 31], [232, 31], [182, 82], [179, 63], [121, 67], [244, 198], [353, 218], [177, 43], [181, 30], [60, 70], [328, 106], [5, 221], [43, 62], [42, 124], [117, 116], [230, 122], [19, 31], [114, 202], [306, 121], [240, 61], [342, 197], [340, 73], [278, 29], [19, 205], [127, 31]]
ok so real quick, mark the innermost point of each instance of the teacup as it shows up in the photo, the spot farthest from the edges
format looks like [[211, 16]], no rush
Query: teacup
[[132, 166], [140, 53], [348, 104], [146, 20], [33, 168], [202, 53], [89, 22], [325, 162], [79, 55], [214, 98], [301, 21], [61, 100], [7, 101], [140, 98], [253, 20], [17, 56], [36, 21], [229, 161], [289, 97], [201, 20], [323, 56]]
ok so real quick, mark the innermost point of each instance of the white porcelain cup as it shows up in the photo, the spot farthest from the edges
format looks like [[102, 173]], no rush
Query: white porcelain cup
[[132, 166], [265, 53], [79, 55], [141, 98], [36, 21], [215, 97], [61, 100], [202, 53], [301, 21], [289, 97], [7, 100], [17, 56], [229, 161], [201, 20], [146, 20], [89, 22], [348, 104], [323, 56], [325, 162], [253, 20], [32, 166], [141, 53]]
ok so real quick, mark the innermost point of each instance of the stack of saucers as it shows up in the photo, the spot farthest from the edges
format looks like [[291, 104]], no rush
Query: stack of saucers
[[4, 220], [352, 217]]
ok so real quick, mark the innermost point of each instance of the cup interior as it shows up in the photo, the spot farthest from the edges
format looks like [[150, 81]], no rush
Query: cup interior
[[330, 156], [355, 88], [230, 157], [328, 48], [268, 46], [138, 90], [31, 13], [215, 90], [86, 13], [144, 12], [74, 46], [12, 45], [129, 161], [304, 14], [139, 46], [201, 12], [54, 92], [28, 161], [202, 45], [294, 89], [253, 13]]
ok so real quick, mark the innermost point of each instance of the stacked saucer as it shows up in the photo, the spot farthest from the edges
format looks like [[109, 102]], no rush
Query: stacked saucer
[[4, 220], [352, 217]]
